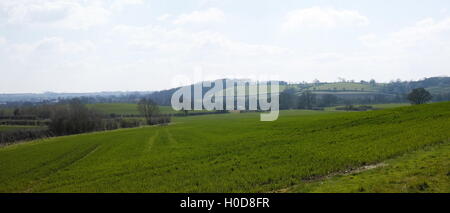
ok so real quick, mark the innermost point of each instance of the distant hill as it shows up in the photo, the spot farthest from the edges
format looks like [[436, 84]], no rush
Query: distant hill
[[439, 87], [435, 85], [56, 97]]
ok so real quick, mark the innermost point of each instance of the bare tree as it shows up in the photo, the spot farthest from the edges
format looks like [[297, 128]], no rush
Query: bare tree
[[148, 109]]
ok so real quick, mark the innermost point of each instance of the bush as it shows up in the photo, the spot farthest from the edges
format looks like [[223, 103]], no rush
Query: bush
[[11, 136], [25, 122], [74, 118], [355, 108], [160, 119], [130, 122]]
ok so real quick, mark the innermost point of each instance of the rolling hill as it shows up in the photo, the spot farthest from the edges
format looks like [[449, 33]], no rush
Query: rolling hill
[[226, 152]]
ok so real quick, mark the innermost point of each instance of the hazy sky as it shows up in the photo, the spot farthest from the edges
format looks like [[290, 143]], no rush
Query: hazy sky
[[110, 45]]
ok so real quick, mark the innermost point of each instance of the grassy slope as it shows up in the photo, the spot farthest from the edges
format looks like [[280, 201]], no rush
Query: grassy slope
[[376, 106], [221, 153], [437, 90], [345, 86], [387, 106], [131, 109], [426, 170]]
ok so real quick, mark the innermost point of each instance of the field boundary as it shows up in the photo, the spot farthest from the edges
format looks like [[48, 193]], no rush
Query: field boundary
[[85, 154], [350, 171], [357, 170]]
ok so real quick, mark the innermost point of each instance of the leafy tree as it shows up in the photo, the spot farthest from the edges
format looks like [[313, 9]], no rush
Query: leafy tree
[[288, 99], [419, 96], [328, 100], [74, 118], [148, 109], [16, 112], [307, 100]]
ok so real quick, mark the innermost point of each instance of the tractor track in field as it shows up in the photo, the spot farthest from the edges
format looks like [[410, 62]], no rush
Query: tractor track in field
[[151, 141], [170, 137], [85, 154], [45, 163], [333, 174]]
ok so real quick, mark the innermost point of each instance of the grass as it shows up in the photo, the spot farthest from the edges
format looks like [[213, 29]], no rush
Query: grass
[[222, 153], [387, 106], [423, 171], [438, 89], [131, 109], [345, 86], [16, 127], [124, 108], [376, 106]]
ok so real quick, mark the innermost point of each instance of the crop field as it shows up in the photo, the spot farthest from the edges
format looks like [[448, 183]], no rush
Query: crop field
[[387, 106], [341, 86], [124, 108], [16, 127], [426, 170], [130, 109], [237, 153], [437, 90], [375, 106]]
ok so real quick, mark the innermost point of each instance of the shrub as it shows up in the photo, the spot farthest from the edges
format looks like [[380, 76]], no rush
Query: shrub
[[160, 119], [11, 136]]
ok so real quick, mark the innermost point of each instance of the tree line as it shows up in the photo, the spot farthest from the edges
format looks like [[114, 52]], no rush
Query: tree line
[[291, 99], [73, 117]]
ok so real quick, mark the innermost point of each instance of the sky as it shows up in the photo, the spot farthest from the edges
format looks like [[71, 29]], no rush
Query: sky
[[140, 45]]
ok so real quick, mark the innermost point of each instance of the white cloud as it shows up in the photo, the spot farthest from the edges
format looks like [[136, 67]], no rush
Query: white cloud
[[2, 41], [368, 39], [60, 46], [207, 16], [143, 45], [120, 4], [426, 30], [61, 13], [50, 47], [85, 17], [181, 41], [164, 17], [323, 18], [413, 52]]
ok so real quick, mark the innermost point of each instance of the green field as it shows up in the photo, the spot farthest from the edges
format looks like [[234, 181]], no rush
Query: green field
[[438, 90], [16, 127], [227, 152], [375, 106], [387, 106], [124, 108], [426, 170], [345, 86], [130, 109]]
